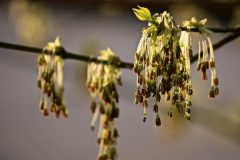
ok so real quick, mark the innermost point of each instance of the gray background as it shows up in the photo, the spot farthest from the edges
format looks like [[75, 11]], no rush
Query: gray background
[[25, 134]]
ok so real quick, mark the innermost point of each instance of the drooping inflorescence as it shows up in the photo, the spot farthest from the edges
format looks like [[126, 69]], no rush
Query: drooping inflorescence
[[50, 80], [162, 62], [206, 58], [102, 80]]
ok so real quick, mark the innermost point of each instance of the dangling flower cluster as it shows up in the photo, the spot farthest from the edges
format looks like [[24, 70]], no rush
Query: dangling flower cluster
[[50, 79], [186, 50], [102, 80], [161, 65], [205, 54]]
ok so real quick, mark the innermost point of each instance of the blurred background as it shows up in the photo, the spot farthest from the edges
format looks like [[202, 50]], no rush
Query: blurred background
[[86, 27]]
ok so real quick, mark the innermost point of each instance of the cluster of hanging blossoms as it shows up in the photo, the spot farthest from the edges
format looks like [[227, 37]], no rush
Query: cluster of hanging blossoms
[[162, 62], [50, 80], [102, 80], [206, 58]]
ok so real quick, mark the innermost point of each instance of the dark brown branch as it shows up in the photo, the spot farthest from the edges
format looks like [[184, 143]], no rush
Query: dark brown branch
[[215, 30], [67, 55], [122, 64]]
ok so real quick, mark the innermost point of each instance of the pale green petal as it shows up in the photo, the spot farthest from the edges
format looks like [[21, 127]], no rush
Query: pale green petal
[[142, 13], [146, 12]]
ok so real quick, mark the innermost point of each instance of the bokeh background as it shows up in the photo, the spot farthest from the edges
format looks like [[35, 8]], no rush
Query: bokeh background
[[86, 27]]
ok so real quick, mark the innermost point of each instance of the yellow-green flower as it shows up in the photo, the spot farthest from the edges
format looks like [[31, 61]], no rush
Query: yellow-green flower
[[142, 13]]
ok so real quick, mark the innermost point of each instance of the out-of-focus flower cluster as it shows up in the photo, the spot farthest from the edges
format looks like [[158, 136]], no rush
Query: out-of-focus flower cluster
[[102, 80], [162, 62], [50, 80], [36, 16]]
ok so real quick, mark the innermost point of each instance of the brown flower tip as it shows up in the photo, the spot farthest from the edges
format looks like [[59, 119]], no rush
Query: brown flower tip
[[92, 128], [204, 76], [93, 106], [190, 54], [101, 108], [190, 91], [136, 68], [207, 65], [115, 112], [39, 83], [199, 65], [144, 119], [170, 114], [145, 103], [140, 99], [65, 113], [41, 105], [158, 97], [115, 133], [168, 96], [102, 157], [203, 67], [45, 112], [187, 109], [155, 108], [119, 80], [98, 139], [216, 91], [158, 121], [187, 116], [57, 113], [53, 108], [211, 93], [215, 81]]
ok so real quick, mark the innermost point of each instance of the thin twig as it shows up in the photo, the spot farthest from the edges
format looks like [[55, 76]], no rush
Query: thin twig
[[122, 64], [67, 55], [215, 30]]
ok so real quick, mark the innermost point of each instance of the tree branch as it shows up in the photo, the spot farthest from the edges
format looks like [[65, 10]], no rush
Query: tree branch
[[67, 55], [215, 30], [122, 64]]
